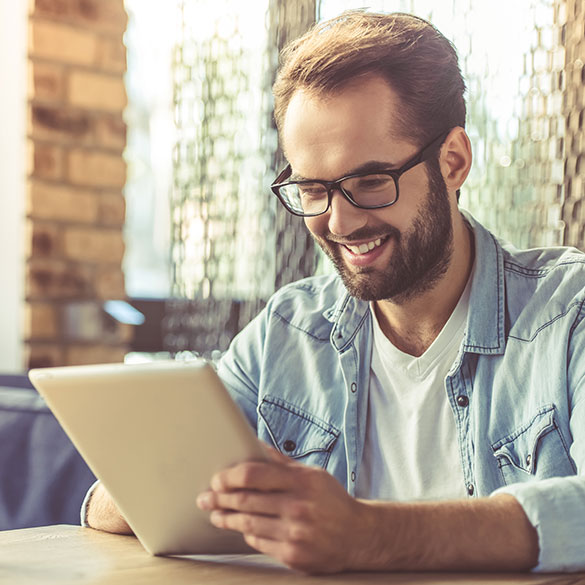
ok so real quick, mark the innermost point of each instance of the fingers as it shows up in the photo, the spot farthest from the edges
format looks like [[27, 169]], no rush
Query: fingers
[[290, 544], [266, 527], [253, 475], [275, 454], [242, 501]]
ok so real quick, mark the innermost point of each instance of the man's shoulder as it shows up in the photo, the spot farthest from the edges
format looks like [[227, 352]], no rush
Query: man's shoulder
[[560, 265], [544, 286], [309, 304]]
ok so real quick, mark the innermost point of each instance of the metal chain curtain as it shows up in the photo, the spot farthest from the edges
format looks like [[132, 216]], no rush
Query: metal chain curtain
[[512, 56], [232, 246], [574, 113]]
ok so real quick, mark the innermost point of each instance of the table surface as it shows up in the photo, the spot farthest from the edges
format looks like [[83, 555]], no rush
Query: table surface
[[72, 554]]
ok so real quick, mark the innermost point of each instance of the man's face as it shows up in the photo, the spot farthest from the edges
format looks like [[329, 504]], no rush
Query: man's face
[[409, 243]]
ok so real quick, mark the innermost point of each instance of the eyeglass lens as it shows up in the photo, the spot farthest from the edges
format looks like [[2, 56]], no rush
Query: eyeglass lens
[[367, 191]]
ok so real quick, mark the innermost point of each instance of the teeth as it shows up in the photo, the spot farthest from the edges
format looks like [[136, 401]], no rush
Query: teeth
[[363, 248]]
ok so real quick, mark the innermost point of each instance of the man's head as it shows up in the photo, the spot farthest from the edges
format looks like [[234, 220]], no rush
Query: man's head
[[416, 60], [346, 106]]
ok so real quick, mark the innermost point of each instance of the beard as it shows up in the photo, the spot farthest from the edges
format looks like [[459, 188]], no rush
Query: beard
[[420, 257]]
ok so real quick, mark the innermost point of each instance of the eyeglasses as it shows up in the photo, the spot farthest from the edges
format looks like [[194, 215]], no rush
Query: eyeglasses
[[366, 190]]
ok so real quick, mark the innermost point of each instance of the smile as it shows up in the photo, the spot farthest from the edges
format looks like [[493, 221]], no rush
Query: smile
[[365, 247]]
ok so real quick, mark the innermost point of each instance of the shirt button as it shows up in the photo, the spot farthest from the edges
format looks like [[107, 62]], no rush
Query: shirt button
[[289, 445], [528, 460], [353, 387], [353, 476], [470, 489], [462, 400]]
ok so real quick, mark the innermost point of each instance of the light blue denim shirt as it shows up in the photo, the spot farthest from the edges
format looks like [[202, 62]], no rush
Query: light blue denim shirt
[[301, 371]]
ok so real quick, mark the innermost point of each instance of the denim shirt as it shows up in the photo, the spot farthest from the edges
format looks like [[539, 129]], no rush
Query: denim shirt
[[301, 370]]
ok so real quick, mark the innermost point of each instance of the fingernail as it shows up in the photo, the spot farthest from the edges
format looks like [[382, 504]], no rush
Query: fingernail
[[215, 517], [205, 501], [216, 483]]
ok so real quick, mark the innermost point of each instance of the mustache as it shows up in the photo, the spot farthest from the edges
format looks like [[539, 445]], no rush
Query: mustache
[[363, 234]]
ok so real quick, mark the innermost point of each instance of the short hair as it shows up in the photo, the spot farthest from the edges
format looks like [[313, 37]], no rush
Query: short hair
[[417, 61]]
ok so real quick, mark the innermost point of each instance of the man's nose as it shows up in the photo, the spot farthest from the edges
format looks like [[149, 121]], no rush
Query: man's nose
[[344, 218]]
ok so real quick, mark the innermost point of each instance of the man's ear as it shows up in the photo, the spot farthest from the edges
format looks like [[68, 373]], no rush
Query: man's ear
[[455, 158]]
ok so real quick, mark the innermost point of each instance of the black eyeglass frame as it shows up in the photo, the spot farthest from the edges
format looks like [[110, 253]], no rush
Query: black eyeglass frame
[[424, 154]]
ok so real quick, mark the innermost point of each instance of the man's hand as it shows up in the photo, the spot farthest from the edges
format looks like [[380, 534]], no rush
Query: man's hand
[[303, 517], [299, 515]]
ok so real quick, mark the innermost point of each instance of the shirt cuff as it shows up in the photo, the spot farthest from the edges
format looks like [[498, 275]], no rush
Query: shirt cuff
[[85, 504], [556, 509]]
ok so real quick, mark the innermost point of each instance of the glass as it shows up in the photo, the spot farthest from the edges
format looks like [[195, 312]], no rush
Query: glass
[[366, 190]]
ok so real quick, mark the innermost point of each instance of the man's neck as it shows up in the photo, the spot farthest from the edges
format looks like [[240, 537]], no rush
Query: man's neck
[[413, 325]]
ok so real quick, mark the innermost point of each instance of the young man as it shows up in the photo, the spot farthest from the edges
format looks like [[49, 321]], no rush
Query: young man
[[434, 389]]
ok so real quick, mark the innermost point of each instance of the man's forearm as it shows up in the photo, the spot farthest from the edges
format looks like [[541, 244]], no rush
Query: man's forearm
[[488, 534], [103, 514]]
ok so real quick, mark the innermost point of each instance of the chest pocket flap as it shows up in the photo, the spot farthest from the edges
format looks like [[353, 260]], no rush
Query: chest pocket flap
[[537, 444], [296, 433]]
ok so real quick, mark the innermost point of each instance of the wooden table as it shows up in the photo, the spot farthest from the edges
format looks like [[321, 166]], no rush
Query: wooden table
[[70, 554]]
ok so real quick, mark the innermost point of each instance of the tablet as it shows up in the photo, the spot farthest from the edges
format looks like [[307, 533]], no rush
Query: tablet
[[154, 434]]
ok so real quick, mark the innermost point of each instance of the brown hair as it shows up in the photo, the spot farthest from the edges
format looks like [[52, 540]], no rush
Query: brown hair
[[418, 62]]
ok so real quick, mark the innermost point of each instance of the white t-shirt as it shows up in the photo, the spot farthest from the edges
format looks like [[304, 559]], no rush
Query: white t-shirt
[[411, 450]]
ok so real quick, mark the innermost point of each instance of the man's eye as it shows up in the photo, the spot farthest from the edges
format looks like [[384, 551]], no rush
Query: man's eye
[[374, 182], [312, 190]]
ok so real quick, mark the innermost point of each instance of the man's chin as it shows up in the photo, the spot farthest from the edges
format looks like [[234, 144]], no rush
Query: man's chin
[[361, 284]]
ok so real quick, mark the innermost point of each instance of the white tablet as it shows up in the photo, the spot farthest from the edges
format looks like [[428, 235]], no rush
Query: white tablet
[[154, 434]]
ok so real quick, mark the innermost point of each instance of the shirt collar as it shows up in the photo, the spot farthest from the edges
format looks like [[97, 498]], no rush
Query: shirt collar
[[486, 319]]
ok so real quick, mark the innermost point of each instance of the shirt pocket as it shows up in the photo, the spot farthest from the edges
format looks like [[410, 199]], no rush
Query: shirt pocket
[[536, 450], [295, 432]]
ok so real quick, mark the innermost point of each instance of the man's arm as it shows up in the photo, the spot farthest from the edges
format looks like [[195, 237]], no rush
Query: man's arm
[[103, 514], [305, 518]]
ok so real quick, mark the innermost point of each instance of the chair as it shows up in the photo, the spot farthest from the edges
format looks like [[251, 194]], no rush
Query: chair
[[43, 479]]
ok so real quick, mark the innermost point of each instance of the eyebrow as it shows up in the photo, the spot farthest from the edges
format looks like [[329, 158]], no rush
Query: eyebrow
[[372, 166]]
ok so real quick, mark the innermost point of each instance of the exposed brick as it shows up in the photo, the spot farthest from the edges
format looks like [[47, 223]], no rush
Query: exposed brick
[[58, 202], [46, 81], [53, 8], [96, 91], [41, 321], [111, 55], [104, 15], [110, 284], [112, 209], [96, 169], [45, 239], [110, 131], [94, 354], [94, 245], [45, 160], [43, 355], [60, 124], [76, 174], [50, 279], [61, 42]]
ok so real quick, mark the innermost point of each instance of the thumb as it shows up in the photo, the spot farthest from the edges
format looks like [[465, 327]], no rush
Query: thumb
[[275, 455]]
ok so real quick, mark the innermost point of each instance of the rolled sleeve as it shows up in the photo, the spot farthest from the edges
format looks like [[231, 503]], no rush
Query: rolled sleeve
[[556, 509], [85, 504]]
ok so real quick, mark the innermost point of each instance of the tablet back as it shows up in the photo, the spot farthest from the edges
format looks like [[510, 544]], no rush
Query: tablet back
[[154, 434]]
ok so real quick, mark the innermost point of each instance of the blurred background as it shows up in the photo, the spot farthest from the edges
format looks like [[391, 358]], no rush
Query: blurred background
[[137, 146]]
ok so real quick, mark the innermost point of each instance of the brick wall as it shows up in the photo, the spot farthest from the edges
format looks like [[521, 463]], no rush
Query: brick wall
[[76, 173]]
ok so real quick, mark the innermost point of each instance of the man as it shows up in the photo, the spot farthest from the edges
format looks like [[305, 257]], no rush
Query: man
[[428, 402]]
